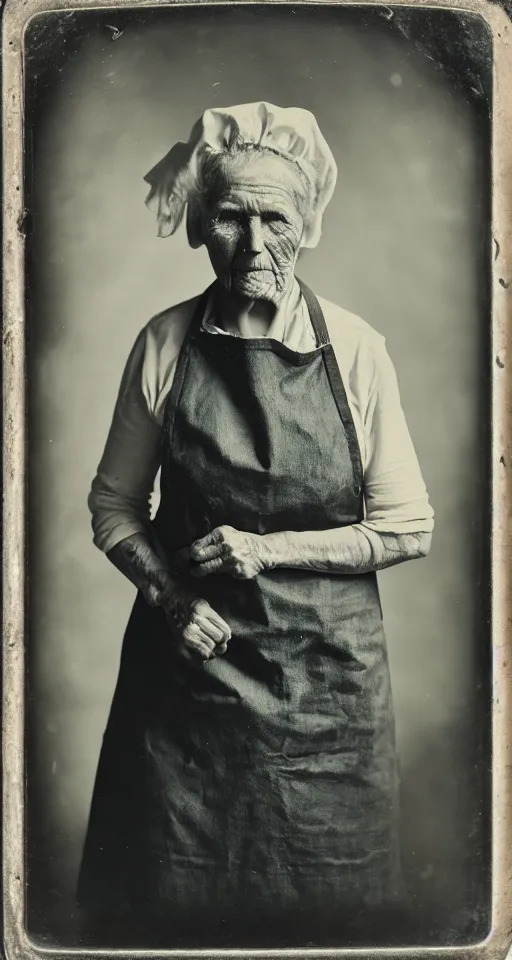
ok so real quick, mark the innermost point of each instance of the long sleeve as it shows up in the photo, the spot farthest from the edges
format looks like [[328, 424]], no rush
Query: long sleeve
[[396, 500], [395, 495], [121, 490], [120, 495]]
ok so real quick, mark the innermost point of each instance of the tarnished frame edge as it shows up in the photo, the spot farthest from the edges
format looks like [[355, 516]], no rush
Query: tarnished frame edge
[[17, 944]]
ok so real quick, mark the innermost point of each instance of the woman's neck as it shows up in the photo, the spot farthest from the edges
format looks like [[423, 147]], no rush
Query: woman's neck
[[250, 318]]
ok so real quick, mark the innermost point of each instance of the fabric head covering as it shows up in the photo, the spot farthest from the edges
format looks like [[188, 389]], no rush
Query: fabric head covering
[[289, 132]]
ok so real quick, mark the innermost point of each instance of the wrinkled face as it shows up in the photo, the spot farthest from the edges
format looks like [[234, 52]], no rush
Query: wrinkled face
[[253, 223]]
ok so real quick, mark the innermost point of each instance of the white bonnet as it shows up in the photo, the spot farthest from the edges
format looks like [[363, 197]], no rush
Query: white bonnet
[[291, 132]]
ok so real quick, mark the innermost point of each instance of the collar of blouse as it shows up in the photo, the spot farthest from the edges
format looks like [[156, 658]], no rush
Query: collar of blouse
[[290, 324]]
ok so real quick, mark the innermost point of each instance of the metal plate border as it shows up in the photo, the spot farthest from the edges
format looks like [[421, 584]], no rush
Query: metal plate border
[[17, 944]]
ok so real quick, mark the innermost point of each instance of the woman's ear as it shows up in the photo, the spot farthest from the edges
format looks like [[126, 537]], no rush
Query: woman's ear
[[195, 232]]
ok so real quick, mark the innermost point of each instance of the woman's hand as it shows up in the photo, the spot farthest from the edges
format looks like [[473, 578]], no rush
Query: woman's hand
[[224, 550], [196, 627]]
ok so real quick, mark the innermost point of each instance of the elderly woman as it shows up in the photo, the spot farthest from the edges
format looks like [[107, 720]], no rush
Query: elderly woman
[[247, 786]]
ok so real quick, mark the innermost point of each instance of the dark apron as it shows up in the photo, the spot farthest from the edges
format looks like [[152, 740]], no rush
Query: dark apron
[[255, 795]]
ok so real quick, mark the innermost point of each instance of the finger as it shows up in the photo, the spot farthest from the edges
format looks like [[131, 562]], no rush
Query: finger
[[203, 608], [221, 648], [206, 551], [216, 536], [193, 650], [192, 655], [197, 649], [218, 565], [209, 628], [194, 634]]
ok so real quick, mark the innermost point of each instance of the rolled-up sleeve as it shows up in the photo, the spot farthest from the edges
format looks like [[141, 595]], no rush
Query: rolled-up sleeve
[[120, 496], [396, 498]]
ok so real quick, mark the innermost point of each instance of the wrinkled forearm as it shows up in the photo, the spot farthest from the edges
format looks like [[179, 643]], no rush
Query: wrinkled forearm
[[141, 560], [345, 550]]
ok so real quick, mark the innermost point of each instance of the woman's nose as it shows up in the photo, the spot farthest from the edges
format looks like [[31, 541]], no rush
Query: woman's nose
[[254, 236]]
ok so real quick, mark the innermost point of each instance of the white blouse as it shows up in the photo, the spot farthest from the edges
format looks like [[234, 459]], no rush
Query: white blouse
[[396, 500]]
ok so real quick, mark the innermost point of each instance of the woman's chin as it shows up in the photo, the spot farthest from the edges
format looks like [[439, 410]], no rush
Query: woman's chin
[[255, 284]]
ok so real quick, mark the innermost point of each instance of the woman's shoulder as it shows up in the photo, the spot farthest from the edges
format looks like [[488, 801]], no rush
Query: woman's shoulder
[[159, 346], [359, 348], [349, 327], [172, 323]]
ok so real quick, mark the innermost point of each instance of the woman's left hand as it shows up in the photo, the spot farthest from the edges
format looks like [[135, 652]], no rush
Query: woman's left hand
[[224, 550]]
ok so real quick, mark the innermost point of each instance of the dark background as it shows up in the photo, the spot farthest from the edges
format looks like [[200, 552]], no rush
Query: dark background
[[404, 98]]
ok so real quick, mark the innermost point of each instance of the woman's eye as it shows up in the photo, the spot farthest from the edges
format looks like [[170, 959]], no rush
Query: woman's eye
[[273, 217], [226, 216]]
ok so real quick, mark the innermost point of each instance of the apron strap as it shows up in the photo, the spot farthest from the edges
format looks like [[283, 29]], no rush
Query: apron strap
[[316, 315], [182, 364], [337, 388]]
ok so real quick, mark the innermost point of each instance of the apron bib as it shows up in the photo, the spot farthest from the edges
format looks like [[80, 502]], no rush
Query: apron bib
[[255, 794]]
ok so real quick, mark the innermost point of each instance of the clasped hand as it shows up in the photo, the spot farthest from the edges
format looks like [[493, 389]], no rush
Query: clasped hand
[[224, 550], [195, 627], [198, 629]]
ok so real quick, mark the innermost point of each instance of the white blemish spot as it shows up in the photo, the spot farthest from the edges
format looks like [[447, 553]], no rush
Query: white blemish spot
[[395, 80]]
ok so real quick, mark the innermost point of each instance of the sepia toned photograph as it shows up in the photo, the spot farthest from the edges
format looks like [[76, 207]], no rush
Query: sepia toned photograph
[[259, 248]]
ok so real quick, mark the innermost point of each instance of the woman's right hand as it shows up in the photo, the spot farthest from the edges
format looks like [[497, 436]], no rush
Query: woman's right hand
[[195, 626]]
